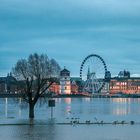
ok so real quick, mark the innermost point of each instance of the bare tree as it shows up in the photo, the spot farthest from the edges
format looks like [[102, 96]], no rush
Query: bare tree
[[37, 74]]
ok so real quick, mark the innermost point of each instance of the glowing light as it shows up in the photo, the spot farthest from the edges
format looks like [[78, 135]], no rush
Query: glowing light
[[67, 100]]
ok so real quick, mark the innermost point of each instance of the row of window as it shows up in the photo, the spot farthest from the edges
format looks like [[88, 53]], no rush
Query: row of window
[[124, 88]]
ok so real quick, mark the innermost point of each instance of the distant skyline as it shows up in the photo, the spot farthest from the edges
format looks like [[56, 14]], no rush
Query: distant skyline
[[69, 30]]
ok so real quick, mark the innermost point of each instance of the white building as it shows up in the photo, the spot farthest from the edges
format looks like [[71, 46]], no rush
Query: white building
[[65, 84]]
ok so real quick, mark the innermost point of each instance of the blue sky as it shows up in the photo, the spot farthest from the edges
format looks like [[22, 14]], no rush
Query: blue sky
[[69, 30]]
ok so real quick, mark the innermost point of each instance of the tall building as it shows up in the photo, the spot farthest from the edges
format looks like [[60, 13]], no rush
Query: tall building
[[107, 82], [108, 76], [88, 74], [65, 84], [124, 74]]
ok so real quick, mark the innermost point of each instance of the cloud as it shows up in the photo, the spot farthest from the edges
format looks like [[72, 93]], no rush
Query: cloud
[[70, 30]]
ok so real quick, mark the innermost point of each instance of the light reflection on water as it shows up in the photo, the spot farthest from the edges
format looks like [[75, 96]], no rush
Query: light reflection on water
[[15, 111], [115, 107], [85, 108]]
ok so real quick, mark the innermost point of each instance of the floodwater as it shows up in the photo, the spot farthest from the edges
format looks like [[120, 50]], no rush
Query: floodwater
[[15, 125]]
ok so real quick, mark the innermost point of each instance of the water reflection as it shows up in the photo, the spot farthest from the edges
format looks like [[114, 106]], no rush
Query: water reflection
[[15, 111], [87, 99], [33, 132], [122, 107], [6, 107], [122, 100], [120, 111], [85, 108], [68, 132], [67, 100], [68, 109]]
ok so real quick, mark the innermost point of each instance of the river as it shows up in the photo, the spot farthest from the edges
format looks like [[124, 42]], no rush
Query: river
[[14, 122]]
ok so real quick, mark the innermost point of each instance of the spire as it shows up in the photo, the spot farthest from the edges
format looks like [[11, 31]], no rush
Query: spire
[[88, 73]]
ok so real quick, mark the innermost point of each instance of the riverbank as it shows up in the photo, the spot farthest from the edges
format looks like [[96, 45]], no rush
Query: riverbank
[[5, 95]]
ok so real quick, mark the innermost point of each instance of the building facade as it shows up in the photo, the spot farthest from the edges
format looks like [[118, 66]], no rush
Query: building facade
[[65, 84], [74, 87], [55, 88], [124, 84], [8, 84]]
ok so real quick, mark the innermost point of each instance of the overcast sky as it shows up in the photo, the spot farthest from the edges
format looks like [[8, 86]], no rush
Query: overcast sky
[[69, 30]]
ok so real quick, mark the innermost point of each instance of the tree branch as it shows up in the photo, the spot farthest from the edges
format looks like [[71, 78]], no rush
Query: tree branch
[[46, 88], [38, 95]]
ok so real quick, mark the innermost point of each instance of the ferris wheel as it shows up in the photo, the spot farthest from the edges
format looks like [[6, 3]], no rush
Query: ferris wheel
[[93, 72]]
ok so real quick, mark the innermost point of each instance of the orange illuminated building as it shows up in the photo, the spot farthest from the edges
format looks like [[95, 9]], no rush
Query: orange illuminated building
[[55, 88], [74, 87], [124, 84]]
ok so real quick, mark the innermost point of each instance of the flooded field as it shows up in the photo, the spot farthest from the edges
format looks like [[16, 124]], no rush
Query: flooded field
[[14, 122]]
